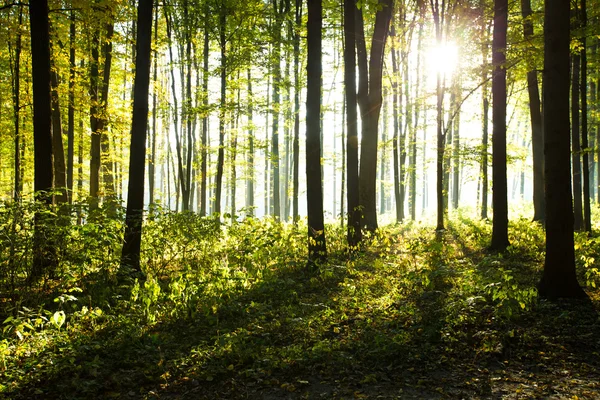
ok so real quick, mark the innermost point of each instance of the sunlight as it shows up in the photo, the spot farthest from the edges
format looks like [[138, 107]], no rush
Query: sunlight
[[442, 59]]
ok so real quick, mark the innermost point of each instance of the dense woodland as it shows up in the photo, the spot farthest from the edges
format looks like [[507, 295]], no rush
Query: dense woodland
[[299, 199]]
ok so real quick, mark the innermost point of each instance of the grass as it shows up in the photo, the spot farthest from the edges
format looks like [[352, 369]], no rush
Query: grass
[[234, 313]]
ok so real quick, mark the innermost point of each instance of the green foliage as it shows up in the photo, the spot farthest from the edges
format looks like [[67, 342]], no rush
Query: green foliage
[[237, 302]]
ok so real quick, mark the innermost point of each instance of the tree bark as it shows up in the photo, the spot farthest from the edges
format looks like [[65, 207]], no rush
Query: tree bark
[[369, 99], [43, 252], [559, 278], [317, 250], [587, 222], [499, 192], [222, 113], [354, 233], [296, 141], [576, 143], [535, 113], [130, 257]]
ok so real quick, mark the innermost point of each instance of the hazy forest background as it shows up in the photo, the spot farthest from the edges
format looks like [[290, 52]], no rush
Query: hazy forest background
[[299, 199]]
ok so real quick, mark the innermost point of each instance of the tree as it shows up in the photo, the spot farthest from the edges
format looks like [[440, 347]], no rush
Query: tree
[[130, 256], [354, 212], [558, 279], [42, 133], [369, 97], [499, 193], [535, 113], [317, 250]]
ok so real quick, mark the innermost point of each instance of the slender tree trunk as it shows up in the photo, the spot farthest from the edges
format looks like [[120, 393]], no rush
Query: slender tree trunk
[[456, 152], [71, 106], [222, 113], [587, 222], [130, 257], [354, 211], [575, 141], [58, 151], [18, 188], [296, 142], [535, 112], [152, 163], [250, 160], [396, 141], [499, 192], [317, 250], [204, 135], [94, 122]]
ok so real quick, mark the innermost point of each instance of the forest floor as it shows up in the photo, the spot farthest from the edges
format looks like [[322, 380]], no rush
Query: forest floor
[[410, 316]]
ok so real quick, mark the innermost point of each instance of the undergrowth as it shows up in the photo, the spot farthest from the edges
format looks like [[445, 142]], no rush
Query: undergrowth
[[236, 301]]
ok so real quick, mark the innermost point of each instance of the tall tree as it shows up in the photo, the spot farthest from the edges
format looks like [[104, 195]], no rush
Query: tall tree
[[43, 258], [16, 97], [297, 89], [369, 97], [354, 212], [576, 144], [587, 221], [535, 114], [130, 256], [317, 250], [499, 193], [559, 278], [222, 111]]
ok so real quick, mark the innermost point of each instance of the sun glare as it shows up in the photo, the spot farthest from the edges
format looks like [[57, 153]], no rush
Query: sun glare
[[442, 59]]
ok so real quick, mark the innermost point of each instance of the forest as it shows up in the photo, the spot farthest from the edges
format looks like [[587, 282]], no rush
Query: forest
[[299, 199]]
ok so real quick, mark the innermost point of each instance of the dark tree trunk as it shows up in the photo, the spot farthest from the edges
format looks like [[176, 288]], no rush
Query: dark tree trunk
[[204, 135], [317, 250], [369, 99], [559, 278], [575, 141], [71, 107], [222, 113], [296, 141], [130, 258], [58, 150], [354, 212], [499, 191], [535, 113], [43, 252], [94, 112], [587, 222], [18, 188], [152, 163]]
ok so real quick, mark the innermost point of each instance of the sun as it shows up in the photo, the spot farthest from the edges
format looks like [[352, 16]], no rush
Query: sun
[[442, 59]]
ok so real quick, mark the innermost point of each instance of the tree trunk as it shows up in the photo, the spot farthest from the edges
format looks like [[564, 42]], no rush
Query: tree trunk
[[221, 153], [43, 252], [575, 141], [396, 141], [499, 192], [152, 163], [250, 159], [354, 211], [369, 99], [296, 142], [559, 278], [317, 250], [58, 150], [71, 106], [130, 257], [587, 222], [204, 135], [18, 188], [535, 113]]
